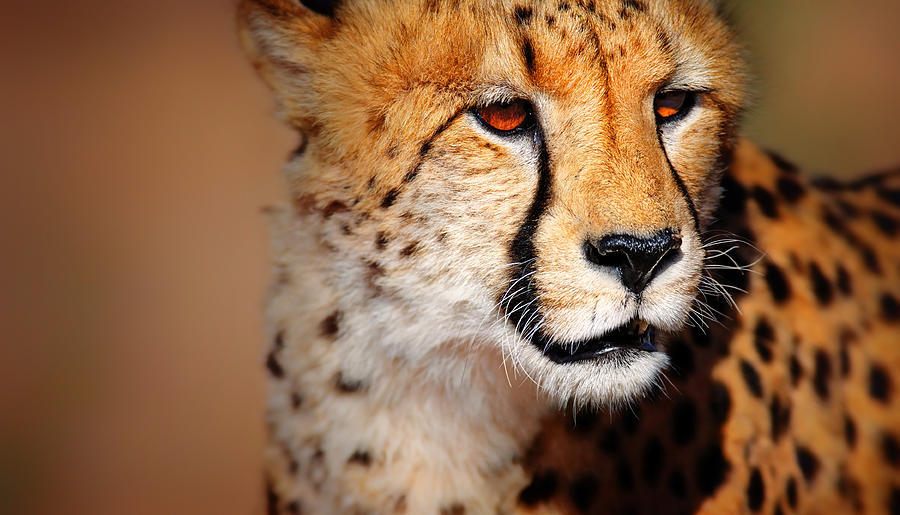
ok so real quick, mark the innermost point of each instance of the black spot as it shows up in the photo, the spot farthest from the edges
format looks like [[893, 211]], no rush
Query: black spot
[[301, 148], [624, 476], [360, 457], [822, 374], [790, 188], [296, 400], [333, 207], [677, 484], [273, 365], [844, 359], [892, 196], [390, 198], [542, 487], [778, 510], [609, 441], [751, 378], [843, 281], [765, 200], [849, 431], [778, 285], [652, 461], [409, 250], [879, 384], [294, 508], [796, 371], [681, 358], [850, 489], [633, 4], [783, 164], [453, 509], [886, 223], [780, 415], [791, 492], [325, 7], [328, 327], [820, 285], [583, 490], [711, 469], [271, 499], [890, 448], [522, 15], [381, 240], [345, 385], [734, 196], [808, 463], [890, 308], [528, 54], [719, 402], [763, 336], [894, 501], [684, 421], [756, 490]]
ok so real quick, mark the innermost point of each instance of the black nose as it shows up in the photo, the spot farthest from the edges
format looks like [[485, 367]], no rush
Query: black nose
[[638, 260]]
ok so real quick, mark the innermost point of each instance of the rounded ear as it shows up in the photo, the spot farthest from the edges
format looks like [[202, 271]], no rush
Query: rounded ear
[[281, 38]]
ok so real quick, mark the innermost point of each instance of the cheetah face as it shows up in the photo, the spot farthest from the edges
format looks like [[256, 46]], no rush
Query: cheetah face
[[549, 165]]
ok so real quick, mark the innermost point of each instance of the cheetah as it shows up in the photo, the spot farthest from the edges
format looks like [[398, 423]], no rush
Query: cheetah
[[529, 266]]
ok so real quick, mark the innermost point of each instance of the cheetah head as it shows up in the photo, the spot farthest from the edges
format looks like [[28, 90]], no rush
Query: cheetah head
[[544, 168]]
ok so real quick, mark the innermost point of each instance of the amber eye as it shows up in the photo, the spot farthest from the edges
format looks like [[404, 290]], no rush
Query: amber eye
[[669, 105], [506, 116]]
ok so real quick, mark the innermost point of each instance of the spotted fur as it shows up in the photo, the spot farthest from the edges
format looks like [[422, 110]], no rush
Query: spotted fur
[[429, 273]]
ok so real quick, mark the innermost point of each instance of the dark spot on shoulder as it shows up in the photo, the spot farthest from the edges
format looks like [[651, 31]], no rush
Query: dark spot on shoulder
[[542, 488], [360, 457], [879, 384], [453, 509], [652, 461], [719, 402], [522, 14], [890, 308], [273, 365], [751, 379], [780, 417], [763, 337], [820, 286], [849, 431], [711, 468], [890, 449], [347, 385], [734, 195], [390, 198], [822, 374], [583, 490], [551, 20], [790, 188], [329, 327], [624, 476], [684, 421], [777, 282], [886, 223], [894, 501], [790, 492], [783, 164], [768, 206], [796, 370], [756, 490], [681, 357], [808, 462], [843, 281]]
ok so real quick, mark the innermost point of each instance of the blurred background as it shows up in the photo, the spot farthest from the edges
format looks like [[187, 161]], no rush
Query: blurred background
[[137, 149]]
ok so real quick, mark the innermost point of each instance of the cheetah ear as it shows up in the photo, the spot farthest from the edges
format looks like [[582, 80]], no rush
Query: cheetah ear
[[282, 39]]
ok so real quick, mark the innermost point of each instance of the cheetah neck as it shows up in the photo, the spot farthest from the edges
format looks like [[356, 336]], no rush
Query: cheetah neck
[[358, 405]]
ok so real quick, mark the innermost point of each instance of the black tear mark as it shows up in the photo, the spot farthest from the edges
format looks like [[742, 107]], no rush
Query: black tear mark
[[528, 55]]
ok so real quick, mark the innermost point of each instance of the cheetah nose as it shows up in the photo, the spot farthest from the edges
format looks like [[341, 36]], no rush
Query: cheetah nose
[[637, 260]]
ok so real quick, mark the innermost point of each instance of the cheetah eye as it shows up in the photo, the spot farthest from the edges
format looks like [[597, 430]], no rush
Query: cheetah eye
[[673, 105], [506, 117]]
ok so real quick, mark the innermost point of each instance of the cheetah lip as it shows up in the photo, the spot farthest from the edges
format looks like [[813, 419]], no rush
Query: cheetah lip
[[633, 336]]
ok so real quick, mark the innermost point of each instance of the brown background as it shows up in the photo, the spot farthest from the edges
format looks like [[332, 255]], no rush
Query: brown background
[[137, 149]]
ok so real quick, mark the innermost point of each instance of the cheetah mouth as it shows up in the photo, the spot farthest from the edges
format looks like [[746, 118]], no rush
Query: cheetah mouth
[[635, 336]]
